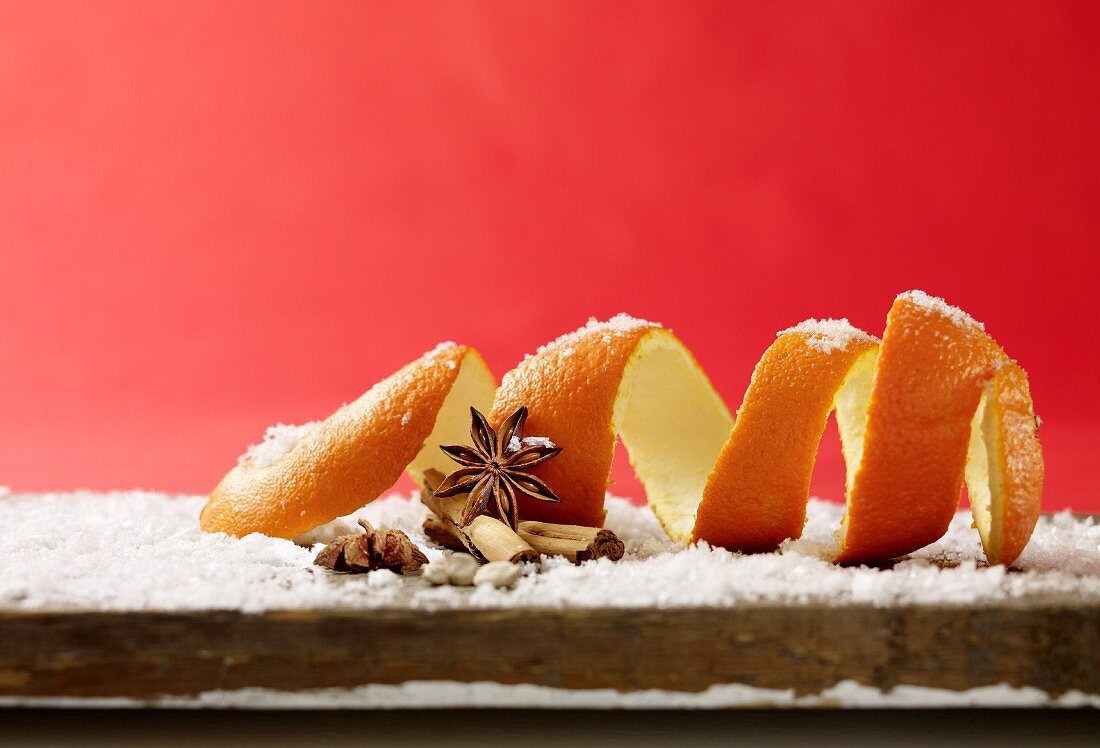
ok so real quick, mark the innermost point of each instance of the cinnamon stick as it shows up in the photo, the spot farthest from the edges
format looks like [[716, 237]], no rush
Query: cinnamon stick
[[495, 540], [486, 538], [575, 542], [438, 532]]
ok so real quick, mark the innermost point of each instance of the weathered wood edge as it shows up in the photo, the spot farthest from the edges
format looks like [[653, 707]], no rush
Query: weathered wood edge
[[1052, 645]]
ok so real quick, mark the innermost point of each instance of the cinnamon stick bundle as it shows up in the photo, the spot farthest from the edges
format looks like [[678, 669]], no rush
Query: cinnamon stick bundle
[[487, 536]]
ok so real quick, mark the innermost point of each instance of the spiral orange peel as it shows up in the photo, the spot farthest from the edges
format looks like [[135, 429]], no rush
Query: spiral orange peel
[[935, 401], [932, 404]]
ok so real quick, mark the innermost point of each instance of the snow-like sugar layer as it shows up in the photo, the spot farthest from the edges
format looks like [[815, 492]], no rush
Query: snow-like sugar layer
[[456, 695], [617, 325], [144, 551], [938, 305], [828, 335], [443, 347], [278, 440]]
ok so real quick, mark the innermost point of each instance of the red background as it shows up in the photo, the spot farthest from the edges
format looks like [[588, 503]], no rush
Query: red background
[[218, 215]]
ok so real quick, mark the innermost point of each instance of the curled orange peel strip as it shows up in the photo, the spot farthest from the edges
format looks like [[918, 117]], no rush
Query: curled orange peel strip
[[946, 404], [359, 451], [629, 378], [937, 400], [757, 493]]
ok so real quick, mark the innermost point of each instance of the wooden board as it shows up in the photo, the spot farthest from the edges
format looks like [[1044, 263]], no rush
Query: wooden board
[[1051, 644]]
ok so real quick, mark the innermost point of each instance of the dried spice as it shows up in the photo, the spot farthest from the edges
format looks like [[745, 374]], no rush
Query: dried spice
[[489, 539], [486, 538], [493, 471], [576, 543], [373, 549]]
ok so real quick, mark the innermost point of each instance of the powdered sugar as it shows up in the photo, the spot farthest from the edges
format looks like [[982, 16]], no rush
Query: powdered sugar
[[329, 531], [281, 438], [938, 305], [443, 347], [828, 335], [617, 325], [144, 551], [278, 441], [442, 694], [515, 445]]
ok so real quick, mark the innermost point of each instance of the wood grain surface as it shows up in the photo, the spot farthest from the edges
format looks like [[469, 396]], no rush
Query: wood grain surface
[[1051, 644]]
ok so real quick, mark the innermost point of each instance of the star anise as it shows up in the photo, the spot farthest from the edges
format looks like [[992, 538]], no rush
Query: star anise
[[372, 549], [493, 470]]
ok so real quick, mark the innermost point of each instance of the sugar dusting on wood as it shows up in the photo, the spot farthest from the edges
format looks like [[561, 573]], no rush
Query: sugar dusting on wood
[[144, 551], [442, 694]]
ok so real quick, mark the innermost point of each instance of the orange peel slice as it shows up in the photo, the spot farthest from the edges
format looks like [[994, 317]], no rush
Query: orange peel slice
[[1004, 467], [944, 396], [624, 377], [757, 494], [359, 451]]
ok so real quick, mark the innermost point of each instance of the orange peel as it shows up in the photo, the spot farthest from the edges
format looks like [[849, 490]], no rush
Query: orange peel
[[359, 451], [623, 377], [756, 495], [932, 404], [936, 401], [1004, 467], [946, 404]]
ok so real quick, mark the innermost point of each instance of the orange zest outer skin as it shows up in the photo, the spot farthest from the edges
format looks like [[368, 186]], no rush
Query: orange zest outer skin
[[1020, 462], [571, 393], [929, 380], [350, 458], [933, 366], [756, 495]]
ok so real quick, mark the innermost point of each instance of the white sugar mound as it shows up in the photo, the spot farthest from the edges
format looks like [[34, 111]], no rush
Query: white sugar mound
[[828, 335], [938, 305], [144, 551], [278, 441], [329, 531]]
